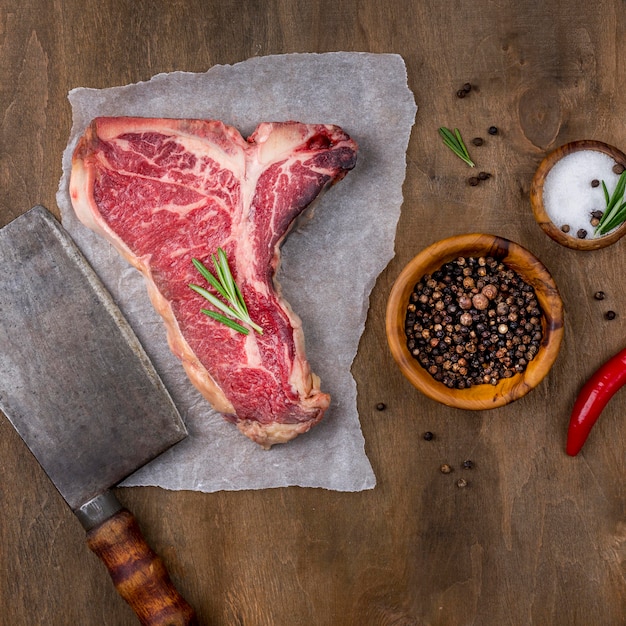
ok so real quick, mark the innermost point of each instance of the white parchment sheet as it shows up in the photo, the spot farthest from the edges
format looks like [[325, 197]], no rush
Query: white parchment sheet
[[330, 262]]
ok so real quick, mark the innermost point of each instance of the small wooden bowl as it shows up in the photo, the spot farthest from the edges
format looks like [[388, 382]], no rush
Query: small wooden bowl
[[517, 258], [536, 196]]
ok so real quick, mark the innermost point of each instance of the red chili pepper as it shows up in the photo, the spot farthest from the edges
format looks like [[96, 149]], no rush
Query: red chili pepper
[[592, 399]]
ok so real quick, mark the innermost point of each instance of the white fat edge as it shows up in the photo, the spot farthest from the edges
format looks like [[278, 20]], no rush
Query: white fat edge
[[86, 209]]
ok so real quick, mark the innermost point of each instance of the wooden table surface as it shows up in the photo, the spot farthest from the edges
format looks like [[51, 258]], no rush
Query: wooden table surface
[[536, 537]]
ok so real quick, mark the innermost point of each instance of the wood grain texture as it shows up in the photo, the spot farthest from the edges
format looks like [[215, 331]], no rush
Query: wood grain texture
[[535, 537], [138, 573]]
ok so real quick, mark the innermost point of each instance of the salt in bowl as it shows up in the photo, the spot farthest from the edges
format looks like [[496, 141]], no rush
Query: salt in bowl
[[566, 189]]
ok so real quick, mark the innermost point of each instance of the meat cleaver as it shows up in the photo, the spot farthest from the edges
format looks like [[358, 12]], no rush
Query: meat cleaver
[[81, 392]]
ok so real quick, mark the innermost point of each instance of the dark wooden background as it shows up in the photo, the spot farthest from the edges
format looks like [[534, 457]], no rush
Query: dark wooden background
[[536, 537]]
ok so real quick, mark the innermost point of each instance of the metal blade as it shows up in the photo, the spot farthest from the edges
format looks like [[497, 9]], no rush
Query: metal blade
[[74, 380]]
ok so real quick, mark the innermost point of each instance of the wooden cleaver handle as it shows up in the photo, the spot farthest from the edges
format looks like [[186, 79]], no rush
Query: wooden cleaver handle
[[138, 574]]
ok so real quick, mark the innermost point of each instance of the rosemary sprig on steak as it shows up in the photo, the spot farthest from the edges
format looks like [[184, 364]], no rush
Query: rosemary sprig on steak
[[224, 283]]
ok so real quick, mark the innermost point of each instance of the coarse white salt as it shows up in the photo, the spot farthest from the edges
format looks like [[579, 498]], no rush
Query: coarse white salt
[[568, 196]]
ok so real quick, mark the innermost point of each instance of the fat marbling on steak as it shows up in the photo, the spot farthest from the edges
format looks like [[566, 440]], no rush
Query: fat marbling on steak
[[164, 191]]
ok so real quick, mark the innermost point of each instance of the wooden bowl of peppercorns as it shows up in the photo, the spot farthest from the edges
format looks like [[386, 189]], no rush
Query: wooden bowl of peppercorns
[[569, 190], [474, 321]]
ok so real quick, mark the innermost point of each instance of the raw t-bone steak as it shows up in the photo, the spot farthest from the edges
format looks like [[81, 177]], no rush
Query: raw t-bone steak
[[164, 191]]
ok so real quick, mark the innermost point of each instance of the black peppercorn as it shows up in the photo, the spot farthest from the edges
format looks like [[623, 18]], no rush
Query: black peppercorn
[[565, 228], [581, 233], [618, 168], [483, 317], [461, 94], [472, 181], [599, 295], [467, 87], [484, 175], [428, 436], [610, 315], [493, 130], [381, 406], [595, 182], [478, 141], [468, 464]]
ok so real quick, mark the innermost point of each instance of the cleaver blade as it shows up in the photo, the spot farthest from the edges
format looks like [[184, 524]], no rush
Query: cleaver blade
[[79, 389]]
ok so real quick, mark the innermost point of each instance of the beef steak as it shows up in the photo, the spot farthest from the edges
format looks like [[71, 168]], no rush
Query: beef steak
[[164, 191]]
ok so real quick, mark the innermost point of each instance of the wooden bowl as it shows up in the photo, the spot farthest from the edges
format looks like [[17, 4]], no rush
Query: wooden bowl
[[536, 196], [517, 258]]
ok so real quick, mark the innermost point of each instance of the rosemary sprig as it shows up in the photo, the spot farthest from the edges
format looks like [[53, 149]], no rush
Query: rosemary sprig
[[615, 212], [454, 141], [225, 285]]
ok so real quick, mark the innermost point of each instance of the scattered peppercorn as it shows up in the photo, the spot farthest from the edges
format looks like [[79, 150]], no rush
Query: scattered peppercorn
[[618, 168], [595, 182], [599, 295], [581, 233], [461, 483], [610, 315], [468, 464], [473, 321], [594, 221], [597, 214], [472, 181], [565, 228], [428, 436], [445, 469], [493, 130], [478, 141], [461, 94], [484, 175], [381, 406], [467, 87]]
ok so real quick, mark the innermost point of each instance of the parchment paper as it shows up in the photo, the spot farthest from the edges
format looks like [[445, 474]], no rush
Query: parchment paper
[[329, 265]]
